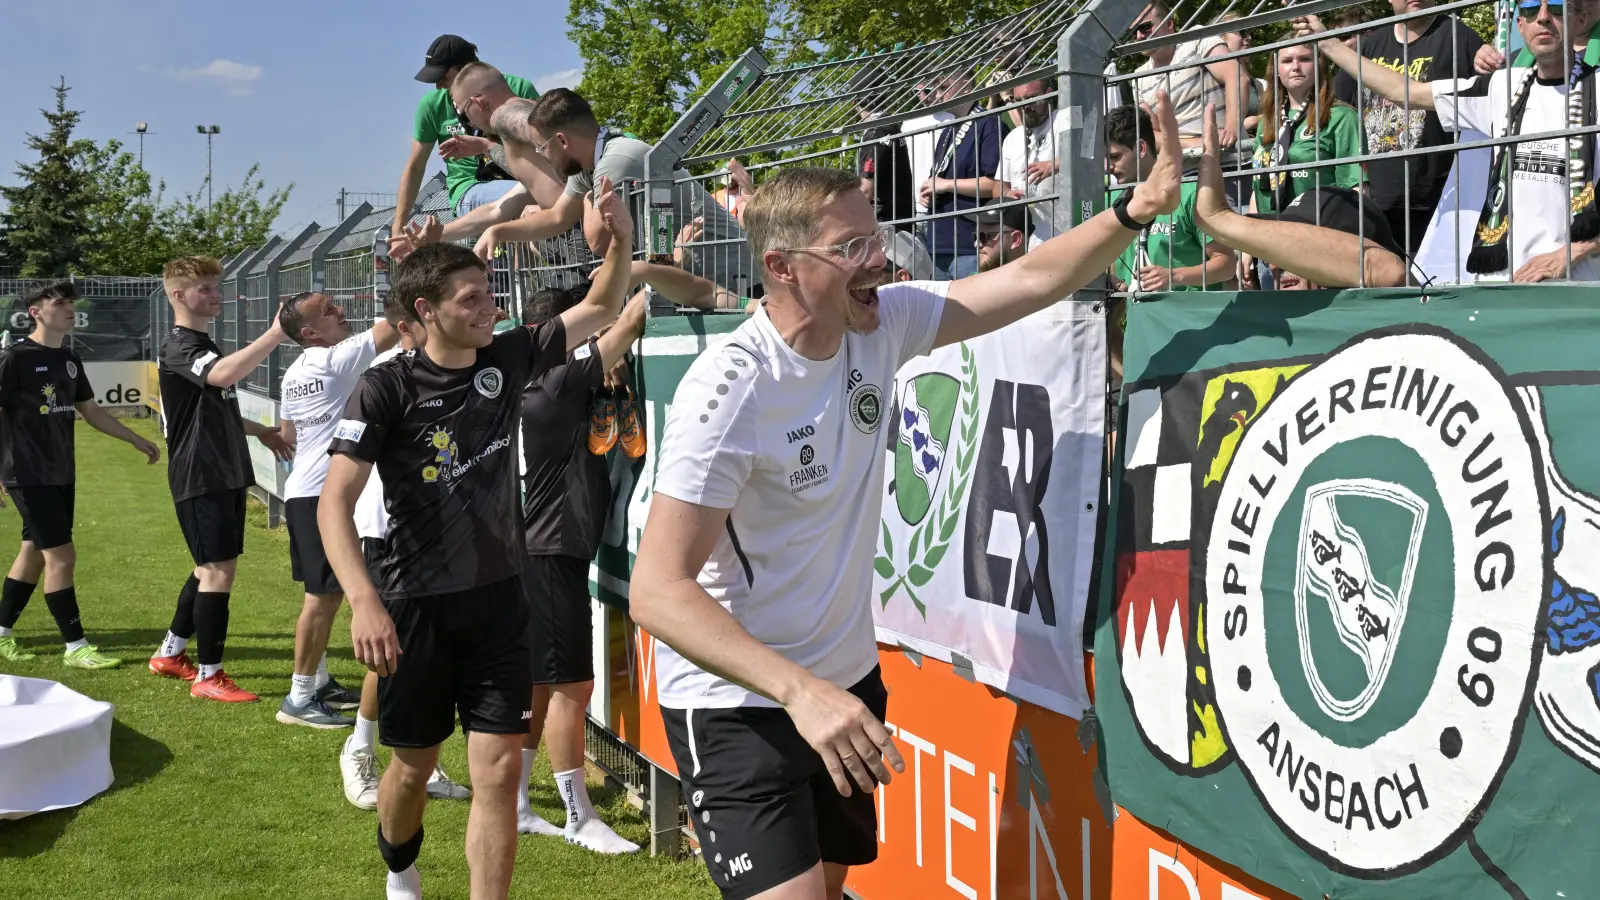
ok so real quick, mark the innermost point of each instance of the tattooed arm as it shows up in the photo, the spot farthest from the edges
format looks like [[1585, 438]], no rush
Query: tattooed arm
[[518, 156]]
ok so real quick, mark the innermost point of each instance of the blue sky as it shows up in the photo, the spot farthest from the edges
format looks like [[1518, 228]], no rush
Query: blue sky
[[319, 93]]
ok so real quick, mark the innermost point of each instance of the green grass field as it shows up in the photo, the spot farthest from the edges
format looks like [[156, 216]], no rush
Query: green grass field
[[217, 801]]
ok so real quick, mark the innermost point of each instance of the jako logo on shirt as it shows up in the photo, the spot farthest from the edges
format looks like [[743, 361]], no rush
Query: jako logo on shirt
[[801, 433], [199, 366], [488, 382], [429, 404]]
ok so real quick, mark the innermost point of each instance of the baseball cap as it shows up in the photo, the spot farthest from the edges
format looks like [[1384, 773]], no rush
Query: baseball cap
[[906, 252], [447, 50], [1013, 217], [1341, 209]]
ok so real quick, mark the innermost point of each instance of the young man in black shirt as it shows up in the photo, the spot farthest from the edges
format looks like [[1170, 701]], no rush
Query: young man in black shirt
[[41, 384], [208, 469], [447, 630], [1427, 49], [566, 490]]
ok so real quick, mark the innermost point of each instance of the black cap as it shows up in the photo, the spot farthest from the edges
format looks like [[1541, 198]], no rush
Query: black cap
[[1014, 217], [446, 51], [1341, 209]]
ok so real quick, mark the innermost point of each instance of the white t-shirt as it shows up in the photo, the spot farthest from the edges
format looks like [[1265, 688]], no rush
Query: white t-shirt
[[314, 392], [1022, 148], [1540, 203], [919, 148], [372, 519], [794, 449]]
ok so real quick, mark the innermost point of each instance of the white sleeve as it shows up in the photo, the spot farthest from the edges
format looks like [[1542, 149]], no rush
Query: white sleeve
[[911, 311], [353, 354], [1467, 104], [710, 442], [1013, 165]]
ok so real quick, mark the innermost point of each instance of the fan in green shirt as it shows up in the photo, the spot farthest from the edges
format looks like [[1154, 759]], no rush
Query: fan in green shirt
[[436, 124], [1302, 123], [1171, 254]]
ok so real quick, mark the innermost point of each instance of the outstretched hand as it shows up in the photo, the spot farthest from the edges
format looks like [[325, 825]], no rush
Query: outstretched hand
[[414, 235], [613, 210], [1159, 193], [1211, 200]]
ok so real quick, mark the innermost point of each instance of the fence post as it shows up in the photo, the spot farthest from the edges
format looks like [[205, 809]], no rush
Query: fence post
[[230, 295], [319, 253], [274, 266], [1081, 54], [657, 229]]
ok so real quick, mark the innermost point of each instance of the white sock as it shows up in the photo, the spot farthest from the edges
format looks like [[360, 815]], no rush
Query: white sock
[[365, 736], [574, 791], [303, 690], [208, 671], [405, 885], [173, 645], [74, 645], [322, 673], [5, 632], [528, 821]]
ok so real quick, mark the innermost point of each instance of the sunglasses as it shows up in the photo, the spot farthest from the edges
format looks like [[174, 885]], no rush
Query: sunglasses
[[1529, 9], [1142, 30]]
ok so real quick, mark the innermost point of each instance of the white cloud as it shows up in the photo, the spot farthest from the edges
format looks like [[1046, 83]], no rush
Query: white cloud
[[235, 78], [567, 78]]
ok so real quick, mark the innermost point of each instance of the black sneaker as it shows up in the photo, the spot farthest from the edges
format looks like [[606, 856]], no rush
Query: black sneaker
[[337, 696]]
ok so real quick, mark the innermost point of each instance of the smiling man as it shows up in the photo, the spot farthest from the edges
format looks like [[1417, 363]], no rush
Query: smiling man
[[447, 630], [314, 392], [755, 568]]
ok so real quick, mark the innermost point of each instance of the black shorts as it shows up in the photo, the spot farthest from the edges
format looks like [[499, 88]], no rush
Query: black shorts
[[46, 512], [308, 564], [762, 804], [465, 653], [373, 550], [213, 525], [557, 588]]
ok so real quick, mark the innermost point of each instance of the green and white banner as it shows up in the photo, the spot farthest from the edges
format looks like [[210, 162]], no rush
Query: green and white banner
[[1350, 639]]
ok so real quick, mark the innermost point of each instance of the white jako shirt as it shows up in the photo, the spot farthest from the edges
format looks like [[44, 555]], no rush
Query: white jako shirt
[[314, 392], [794, 449], [372, 519]]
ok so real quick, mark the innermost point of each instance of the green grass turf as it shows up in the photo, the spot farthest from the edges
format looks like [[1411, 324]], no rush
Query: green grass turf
[[216, 800]]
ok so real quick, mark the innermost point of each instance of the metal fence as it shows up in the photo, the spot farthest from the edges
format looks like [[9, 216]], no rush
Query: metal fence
[[112, 322]]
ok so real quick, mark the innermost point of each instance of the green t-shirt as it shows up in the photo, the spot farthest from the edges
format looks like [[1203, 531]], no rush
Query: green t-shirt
[[1343, 138], [1172, 239], [436, 123]]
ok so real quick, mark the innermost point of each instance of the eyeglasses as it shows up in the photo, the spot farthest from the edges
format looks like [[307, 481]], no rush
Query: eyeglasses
[[857, 250], [1142, 30], [540, 148], [1529, 9], [985, 238]]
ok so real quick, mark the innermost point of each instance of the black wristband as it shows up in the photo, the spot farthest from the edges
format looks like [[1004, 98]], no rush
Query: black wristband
[[1127, 220]]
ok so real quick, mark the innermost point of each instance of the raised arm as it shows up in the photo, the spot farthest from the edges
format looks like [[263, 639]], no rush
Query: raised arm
[[410, 183], [539, 225], [618, 338], [231, 368], [991, 300], [604, 300], [683, 288], [512, 125], [105, 423], [1321, 255], [1391, 85]]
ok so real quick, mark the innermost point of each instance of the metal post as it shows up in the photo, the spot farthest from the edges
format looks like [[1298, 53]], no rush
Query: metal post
[[243, 265], [341, 204], [658, 231], [666, 796], [319, 253], [274, 266]]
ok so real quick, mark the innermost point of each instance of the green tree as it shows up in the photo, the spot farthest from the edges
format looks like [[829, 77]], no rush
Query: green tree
[[45, 220], [125, 233], [645, 61], [840, 28], [237, 218]]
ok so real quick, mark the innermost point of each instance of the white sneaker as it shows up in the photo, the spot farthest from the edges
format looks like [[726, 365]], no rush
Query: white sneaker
[[360, 770], [440, 787], [405, 885], [596, 835]]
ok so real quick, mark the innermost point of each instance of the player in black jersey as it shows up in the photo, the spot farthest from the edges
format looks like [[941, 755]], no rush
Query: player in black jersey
[[566, 490], [447, 629], [208, 469], [41, 384]]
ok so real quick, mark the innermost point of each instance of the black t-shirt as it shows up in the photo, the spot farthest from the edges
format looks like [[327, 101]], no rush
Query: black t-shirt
[[887, 164], [1435, 56], [206, 448], [565, 488], [39, 386], [442, 442]]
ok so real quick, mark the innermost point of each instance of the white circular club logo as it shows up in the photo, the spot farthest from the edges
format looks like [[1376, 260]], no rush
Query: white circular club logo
[[72, 369], [1375, 734], [489, 382]]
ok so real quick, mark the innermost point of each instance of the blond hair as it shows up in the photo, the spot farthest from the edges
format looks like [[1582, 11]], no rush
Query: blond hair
[[783, 212], [184, 271], [478, 78]]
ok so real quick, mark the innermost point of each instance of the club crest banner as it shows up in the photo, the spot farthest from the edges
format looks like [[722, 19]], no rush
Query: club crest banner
[[1349, 639]]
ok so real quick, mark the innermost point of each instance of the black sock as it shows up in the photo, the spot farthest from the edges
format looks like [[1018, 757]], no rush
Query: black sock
[[14, 595], [400, 857], [211, 626], [183, 619], [64, 607]]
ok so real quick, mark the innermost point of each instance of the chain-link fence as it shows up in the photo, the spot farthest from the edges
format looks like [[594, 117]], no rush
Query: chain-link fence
[[112, 321]]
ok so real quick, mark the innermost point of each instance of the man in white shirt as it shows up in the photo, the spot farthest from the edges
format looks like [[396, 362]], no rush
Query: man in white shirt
[[1029, 160], [1529, 229], [755, 568], [314, 391]]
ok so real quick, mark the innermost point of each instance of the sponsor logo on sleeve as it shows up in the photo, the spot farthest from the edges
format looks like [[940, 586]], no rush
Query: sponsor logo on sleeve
[[349, 430]]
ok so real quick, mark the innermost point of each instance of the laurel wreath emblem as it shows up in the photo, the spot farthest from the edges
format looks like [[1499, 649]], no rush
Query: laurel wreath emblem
[[931, 538]]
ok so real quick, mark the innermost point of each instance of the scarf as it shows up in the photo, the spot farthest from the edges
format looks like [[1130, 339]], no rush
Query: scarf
[[1279, 184], [1489, 251]]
